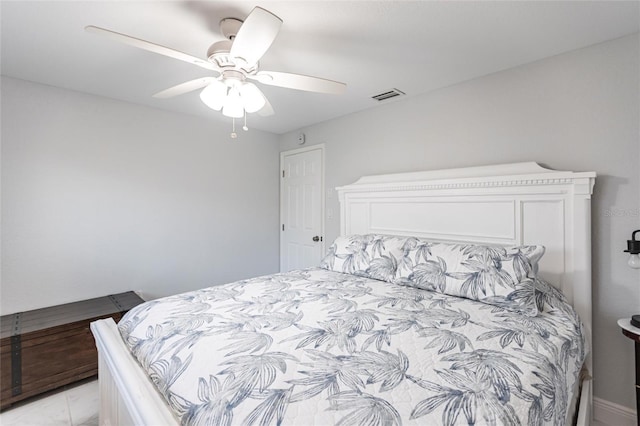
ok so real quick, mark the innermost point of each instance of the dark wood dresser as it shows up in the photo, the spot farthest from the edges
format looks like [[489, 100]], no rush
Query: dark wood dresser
[[44, 349]]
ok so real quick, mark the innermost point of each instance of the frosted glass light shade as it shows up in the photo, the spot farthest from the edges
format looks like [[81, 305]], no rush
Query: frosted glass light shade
[[252, 97], [233, 105], [214, 95], [234, 100]]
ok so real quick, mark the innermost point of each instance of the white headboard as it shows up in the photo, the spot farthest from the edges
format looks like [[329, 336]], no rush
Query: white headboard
[[508, 204]]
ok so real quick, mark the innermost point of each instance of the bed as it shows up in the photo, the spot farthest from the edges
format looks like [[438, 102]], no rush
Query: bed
[[400, 324]]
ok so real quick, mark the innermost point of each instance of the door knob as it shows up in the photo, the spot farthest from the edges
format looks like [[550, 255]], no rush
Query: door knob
[[316, 238]]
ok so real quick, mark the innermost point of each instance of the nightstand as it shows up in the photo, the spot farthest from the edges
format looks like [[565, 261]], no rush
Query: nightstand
[[633, 333]]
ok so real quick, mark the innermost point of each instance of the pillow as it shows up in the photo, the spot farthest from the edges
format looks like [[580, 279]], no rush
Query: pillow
[[548, 297], [500, 276], [371, 255]]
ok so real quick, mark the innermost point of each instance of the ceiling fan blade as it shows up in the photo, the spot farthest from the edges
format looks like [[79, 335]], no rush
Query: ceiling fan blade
[[255, 35], [186, 87], [152, 47], [300, 82]]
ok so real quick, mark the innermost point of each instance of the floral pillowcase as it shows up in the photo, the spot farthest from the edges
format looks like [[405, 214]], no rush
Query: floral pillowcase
[[500, 276]]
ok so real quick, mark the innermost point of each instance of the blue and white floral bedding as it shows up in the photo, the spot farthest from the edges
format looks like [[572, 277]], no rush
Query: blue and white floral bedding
[[323, 347]]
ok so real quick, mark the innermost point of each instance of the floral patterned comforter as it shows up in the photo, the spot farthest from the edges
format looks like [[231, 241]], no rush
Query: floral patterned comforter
[[322, 347]]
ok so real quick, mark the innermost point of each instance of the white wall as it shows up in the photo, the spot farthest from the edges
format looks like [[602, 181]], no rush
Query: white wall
[[577, 111], [101, 196]]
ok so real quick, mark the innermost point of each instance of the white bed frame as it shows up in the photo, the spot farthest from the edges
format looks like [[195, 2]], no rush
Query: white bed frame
[[509, 204]]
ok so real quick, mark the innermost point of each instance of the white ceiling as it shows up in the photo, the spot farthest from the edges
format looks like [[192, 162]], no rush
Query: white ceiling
[[415, 46]]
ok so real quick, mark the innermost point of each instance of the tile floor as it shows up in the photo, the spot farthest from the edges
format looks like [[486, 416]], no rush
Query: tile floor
[[75, 405]]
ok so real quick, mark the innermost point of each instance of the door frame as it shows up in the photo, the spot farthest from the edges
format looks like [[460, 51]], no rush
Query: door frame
[[284, 154]]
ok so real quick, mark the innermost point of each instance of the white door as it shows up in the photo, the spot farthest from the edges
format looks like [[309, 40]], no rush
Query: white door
[[301, 207]]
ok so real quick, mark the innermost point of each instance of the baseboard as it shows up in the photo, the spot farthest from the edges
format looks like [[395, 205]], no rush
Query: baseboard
[[613, 414]]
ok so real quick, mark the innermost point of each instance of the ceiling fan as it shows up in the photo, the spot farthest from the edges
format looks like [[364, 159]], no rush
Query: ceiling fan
[[235, 64]]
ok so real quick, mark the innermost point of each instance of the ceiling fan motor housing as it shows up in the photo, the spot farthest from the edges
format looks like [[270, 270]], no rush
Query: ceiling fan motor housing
[[233, 78], [218, 54], [229, 27]]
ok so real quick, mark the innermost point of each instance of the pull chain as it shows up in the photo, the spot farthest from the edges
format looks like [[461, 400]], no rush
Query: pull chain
[[245, 128], [233, 129]]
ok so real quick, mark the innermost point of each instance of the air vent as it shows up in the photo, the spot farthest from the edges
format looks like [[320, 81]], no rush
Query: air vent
[[388, 95]]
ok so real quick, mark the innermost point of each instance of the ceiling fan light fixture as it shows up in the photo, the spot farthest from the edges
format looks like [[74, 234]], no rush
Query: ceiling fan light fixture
[[233, 111], [233, 105], [214, 95], [252, 97]]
